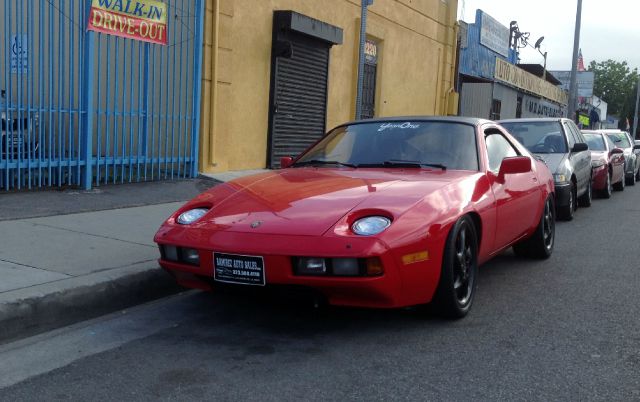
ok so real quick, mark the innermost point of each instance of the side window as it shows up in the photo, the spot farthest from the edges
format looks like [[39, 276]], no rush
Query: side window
[[571, 139], [498, 148], [576, 133], [608, 140]]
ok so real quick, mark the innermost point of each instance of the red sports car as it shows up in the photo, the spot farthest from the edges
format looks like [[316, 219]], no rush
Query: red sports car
[[378, 213], [607, 162]]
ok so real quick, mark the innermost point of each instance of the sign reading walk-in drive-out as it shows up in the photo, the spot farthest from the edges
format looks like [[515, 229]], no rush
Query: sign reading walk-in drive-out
[[144, 20]]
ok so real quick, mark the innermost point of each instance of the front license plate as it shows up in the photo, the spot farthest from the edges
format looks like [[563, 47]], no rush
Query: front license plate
[[241, 269]]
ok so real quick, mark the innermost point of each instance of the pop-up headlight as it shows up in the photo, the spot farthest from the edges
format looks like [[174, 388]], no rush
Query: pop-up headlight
[[371, 225], [192, 215]]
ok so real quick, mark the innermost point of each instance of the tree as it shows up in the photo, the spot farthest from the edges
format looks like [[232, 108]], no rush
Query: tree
[[616, 83]]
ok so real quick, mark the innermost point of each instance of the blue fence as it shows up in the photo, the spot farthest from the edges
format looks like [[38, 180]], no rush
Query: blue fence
[[80, 108]]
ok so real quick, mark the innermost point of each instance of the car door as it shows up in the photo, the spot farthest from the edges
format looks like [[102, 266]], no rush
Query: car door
[[581, 161], [516, 195]]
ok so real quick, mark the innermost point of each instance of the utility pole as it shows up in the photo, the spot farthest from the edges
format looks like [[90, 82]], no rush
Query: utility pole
[[363, 37], [573, 98], [635, 116]]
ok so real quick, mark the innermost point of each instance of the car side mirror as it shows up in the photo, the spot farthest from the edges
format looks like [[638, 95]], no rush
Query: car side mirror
[[514, 165], [617, 150], [285, 162], [579, 147]]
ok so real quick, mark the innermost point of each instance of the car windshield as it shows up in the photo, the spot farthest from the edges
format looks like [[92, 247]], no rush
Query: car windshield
[[431, 144], [540, 137], [619, 139], [595, 142]]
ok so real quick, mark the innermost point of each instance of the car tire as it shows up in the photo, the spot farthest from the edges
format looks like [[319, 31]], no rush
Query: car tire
[[567, 212], [586, 198], [458, 277], [540, 244], [638, 175], [608, 187], [631, 181], [619, 186]]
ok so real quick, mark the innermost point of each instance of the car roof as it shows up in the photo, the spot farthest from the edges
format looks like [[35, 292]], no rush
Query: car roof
[[445, 119], [532, 119]]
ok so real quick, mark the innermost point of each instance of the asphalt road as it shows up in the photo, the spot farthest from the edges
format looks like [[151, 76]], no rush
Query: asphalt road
[[563, 329]]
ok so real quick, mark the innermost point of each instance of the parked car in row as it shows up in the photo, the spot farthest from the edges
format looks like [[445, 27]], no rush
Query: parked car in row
[[561, 145], [379, 213], [623, 140], [607, 162]]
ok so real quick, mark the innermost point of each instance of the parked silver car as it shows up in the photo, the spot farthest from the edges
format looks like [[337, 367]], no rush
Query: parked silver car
[[561, 145]]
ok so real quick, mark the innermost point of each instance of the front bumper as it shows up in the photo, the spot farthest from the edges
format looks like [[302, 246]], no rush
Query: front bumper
[[563, 192], [600, 174], [402, 284]]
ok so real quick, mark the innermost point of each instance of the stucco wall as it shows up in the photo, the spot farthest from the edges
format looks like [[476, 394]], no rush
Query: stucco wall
[[415, 68]]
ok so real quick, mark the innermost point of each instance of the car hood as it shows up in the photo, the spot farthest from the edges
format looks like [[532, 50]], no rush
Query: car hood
[[552, 161], [309, 201]]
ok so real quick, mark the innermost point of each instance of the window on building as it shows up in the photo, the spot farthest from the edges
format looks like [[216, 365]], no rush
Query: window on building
[[369, 80], [496, 105]]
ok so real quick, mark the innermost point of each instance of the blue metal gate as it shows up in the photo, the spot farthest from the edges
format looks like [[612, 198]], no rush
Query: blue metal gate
[[80, 108]]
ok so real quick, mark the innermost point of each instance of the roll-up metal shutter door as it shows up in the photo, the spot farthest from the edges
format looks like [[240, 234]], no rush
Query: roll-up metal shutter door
[[299, 109]]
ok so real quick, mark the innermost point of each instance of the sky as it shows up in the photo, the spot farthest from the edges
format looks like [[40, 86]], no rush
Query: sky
[[610, 29]]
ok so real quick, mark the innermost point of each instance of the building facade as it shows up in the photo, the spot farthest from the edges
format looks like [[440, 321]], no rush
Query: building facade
[[278, 74], [493, 86]]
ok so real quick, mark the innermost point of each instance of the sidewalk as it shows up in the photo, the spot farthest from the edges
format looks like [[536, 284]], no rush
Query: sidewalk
[[66, 256]]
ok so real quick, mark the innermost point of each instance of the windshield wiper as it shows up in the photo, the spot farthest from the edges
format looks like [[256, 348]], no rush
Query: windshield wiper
[[323, 162], [400, 163]]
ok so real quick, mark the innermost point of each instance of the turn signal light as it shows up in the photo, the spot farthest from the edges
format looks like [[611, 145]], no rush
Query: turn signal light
[[346, 267], [374, 266]]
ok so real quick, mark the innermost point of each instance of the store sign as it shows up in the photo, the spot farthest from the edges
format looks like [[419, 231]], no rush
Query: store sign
[[536, 107], [584, 81], [370, 52], [494, 35], [144, 20], [519, 78]]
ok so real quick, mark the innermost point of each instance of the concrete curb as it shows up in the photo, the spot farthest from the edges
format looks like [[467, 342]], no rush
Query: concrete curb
[[28, 311]]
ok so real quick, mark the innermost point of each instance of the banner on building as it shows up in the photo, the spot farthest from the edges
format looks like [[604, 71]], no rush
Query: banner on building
[[519, 78], [494, 35], [144, 20], [584, 81]]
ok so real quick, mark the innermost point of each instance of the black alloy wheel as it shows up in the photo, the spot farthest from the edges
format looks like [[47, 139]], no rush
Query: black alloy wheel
[[457, 285], [540, 244]]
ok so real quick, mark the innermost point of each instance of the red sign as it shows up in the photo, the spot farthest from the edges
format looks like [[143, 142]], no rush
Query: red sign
[[144, 20]]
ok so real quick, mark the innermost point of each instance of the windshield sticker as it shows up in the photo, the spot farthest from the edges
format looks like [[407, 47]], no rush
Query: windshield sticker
[[385, 126]]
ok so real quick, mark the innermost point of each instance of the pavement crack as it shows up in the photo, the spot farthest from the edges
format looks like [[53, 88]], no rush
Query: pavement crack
[[92, 234], [26, 265]]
